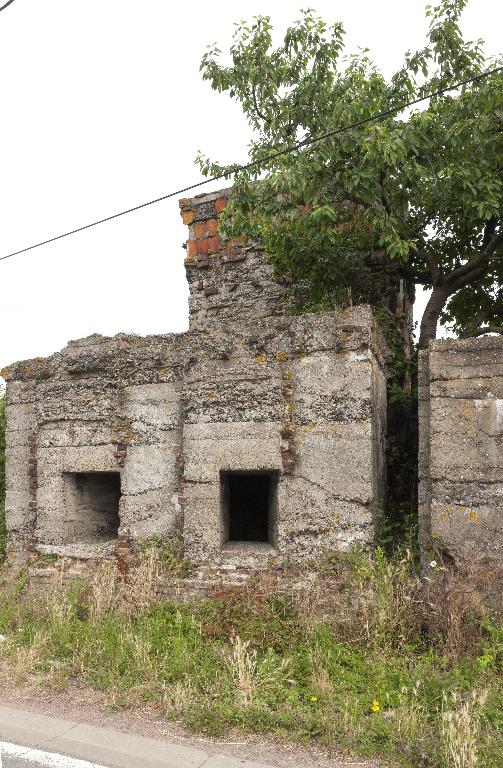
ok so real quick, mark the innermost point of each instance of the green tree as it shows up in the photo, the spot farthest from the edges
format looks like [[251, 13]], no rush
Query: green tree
[[416, 195]]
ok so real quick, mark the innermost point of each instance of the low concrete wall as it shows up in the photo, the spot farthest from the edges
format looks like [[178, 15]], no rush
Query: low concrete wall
[[461, 449]]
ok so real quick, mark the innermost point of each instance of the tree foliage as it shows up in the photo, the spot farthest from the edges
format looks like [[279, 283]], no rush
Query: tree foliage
[[417, 194]]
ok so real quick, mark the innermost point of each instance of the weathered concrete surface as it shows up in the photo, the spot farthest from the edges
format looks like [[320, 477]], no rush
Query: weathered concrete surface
[[302, 407], [248, 388], [100, 406], [461, 448]]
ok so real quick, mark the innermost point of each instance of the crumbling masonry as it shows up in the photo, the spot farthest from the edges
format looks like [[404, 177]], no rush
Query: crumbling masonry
[[257, 436]]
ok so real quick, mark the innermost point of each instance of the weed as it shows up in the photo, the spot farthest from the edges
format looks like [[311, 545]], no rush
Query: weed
[[460, 728], [243, 663], [391, 679]]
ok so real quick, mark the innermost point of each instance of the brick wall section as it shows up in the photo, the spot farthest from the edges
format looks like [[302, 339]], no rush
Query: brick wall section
[[229, 280], [461, 449]]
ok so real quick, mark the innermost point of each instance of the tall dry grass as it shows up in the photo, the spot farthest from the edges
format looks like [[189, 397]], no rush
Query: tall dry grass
[[109, 590], [461, 727], [243, 663]]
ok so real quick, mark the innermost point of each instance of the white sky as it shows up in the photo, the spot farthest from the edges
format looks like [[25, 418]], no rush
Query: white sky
[[103, 107]]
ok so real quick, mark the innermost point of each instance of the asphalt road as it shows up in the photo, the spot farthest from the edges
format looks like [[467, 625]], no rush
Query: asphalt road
[[19, 762], [15, 756]]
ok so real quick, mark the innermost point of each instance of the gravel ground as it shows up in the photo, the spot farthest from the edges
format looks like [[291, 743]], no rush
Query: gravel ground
[[86, 706]]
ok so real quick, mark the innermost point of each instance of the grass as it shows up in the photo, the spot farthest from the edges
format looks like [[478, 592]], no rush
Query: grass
[[411, 675]]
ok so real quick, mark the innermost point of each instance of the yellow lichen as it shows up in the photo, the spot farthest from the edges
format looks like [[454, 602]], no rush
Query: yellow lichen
[[123, 433]]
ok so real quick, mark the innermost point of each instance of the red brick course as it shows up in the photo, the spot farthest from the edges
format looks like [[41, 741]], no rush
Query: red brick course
[[220, 204]]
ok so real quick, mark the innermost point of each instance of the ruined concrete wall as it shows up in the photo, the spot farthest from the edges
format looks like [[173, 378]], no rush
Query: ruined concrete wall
[[302, 398], [126, 438], [20, 466], [461, 448], [293, 396], [100, 406]]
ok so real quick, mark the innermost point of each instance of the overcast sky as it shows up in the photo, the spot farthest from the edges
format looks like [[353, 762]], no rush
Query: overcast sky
[[103, 107]]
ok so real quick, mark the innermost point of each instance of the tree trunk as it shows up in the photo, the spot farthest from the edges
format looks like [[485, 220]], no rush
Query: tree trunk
[[435, 305]]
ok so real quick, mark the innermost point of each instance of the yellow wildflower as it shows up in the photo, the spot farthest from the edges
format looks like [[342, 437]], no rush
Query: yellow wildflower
[[314, 698], [375, 706]]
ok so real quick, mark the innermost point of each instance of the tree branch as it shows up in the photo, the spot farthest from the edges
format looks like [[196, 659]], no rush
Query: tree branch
[[489, 230], [257, 110], [384, 200], [474, 268], [398, 268], [484, 321], [431, 261], [480, 330]]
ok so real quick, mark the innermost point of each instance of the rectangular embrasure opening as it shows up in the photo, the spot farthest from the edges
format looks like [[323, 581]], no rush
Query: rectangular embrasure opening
[[248, 506], [92, 506]]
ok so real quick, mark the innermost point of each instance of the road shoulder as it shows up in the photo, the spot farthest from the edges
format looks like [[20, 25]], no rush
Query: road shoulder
[[64, 711]]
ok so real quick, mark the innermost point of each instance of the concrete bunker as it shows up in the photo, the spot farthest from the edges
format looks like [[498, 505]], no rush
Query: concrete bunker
[[256, 434], [92, 506], [248, 503]]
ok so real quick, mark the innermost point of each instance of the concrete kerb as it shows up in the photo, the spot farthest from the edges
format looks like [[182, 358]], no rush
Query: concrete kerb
[[105, 746]]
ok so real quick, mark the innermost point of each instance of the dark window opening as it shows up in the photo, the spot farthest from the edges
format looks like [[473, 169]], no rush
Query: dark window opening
[[92, 506], [248, 502]]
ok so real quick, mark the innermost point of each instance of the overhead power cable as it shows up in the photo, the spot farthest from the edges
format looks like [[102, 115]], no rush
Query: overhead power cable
[[6, 4], [262, 161]]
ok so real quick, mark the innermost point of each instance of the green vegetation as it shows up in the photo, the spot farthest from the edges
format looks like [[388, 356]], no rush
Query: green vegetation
[[417, 195], [398, 667], [398, 523]]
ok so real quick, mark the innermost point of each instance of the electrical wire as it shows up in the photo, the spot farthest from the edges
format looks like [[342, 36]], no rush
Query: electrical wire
[[261, 162], [6, 4]]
